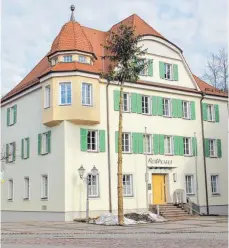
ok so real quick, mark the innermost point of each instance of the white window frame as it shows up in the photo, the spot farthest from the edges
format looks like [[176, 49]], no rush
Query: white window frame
[[214, 148], [93, 190], [26, 188], [149, 144], [169, 107], [217, 192], [44, 143], [67, 58], [66, 93], [192, 184], [11, 148], [188, 116], [144, 105], [25, 149], [89, 145], [84, 60], [44, 196], [47, 97], [10, 189], [128, 103], [128, 187], [83, 94], [166, 152], [123, 139], [210, 106], [166, 65], [189, 144], [144, 72]]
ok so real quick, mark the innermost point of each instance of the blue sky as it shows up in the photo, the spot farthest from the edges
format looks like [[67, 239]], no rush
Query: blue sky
[[198, 27]]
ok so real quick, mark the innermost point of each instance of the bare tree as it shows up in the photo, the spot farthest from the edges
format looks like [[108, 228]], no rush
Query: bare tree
[[216, 72]]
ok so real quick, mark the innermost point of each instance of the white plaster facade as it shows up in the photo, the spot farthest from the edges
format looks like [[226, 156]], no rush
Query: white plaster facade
[[67, 192]]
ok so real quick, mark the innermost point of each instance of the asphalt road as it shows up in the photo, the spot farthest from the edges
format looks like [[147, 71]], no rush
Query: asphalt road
[[193, 233]]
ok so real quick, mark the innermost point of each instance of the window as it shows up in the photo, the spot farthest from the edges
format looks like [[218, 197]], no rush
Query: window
[[148, 143], [144, 71], [44, 187], [127, 185], [215, 184], [25, 148], [126, 142], [166, 107], [189, 181], [87, 94], [10, 189], [10, 152], [187, 146], [68, 58], [212, 148], [65, 93], [92, 140], [186, 109], [210, 112], [93, 185], [168, 71], [145, 104], [126, 102], [82, 59], [54, 61], [11, 115], [47, 97], [44, 143], [168, 145], [27, 186]]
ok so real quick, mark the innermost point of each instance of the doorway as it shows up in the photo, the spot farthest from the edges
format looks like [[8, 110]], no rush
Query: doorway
[[158, 186]]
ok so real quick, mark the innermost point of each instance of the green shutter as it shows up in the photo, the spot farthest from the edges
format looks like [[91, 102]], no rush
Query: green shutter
[[116, 100], [162, 69], [8, 116], [219, 150], [154, 105], [28, 150], [156, 144], [193, 111], [135, 142], [22, 148], [83, 139], [102, 141], [116, 141], [216, 106], [174, 108], [159, 106], [7, 153], [161, 144], [39, 144], [49, 141], [204, 109], [140, 143], [134, 103], [181, 146], [175, 72], [179, 108], [176, 145], [150, 67], [15, 113], [206, 147], [139, 103], [194, 146], [14, 151]]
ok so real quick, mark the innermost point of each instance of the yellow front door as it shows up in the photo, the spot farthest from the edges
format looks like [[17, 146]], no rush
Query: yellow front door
[[158, 185]]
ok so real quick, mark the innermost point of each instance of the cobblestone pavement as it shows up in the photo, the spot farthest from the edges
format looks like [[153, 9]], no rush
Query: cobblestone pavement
[[193, 233]]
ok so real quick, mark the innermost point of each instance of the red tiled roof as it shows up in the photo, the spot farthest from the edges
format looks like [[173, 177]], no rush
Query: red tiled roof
[[73, 36]]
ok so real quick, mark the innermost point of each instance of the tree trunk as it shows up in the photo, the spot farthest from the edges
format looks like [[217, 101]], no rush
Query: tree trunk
[[120, 184]]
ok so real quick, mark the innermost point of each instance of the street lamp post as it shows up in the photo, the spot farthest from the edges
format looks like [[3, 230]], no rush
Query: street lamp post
[[94, 172]]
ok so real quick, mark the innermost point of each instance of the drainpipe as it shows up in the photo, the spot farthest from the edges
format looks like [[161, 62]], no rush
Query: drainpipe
[[108, 148], [205, 167]]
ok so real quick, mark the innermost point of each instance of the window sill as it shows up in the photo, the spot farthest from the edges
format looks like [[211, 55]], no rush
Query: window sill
[[167, 116], [128, 196], [148, 114], [26, 199], [10, 200], [10, 162], [25, 158], [167, 154], [10, 125], [127, 153], [44, 199], [190, 194], [188, 155], [65, 104], [212, 121], [216, 194], [126, 111], [94, 197], [184, 118], [87, 105], [43, 154], [47, 107], [93, 151], [213, 157]]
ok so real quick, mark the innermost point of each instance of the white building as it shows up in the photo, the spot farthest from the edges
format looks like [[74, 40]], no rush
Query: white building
[[63, 115]]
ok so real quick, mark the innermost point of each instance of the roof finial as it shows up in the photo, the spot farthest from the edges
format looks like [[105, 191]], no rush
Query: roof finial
[[72, 19]]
